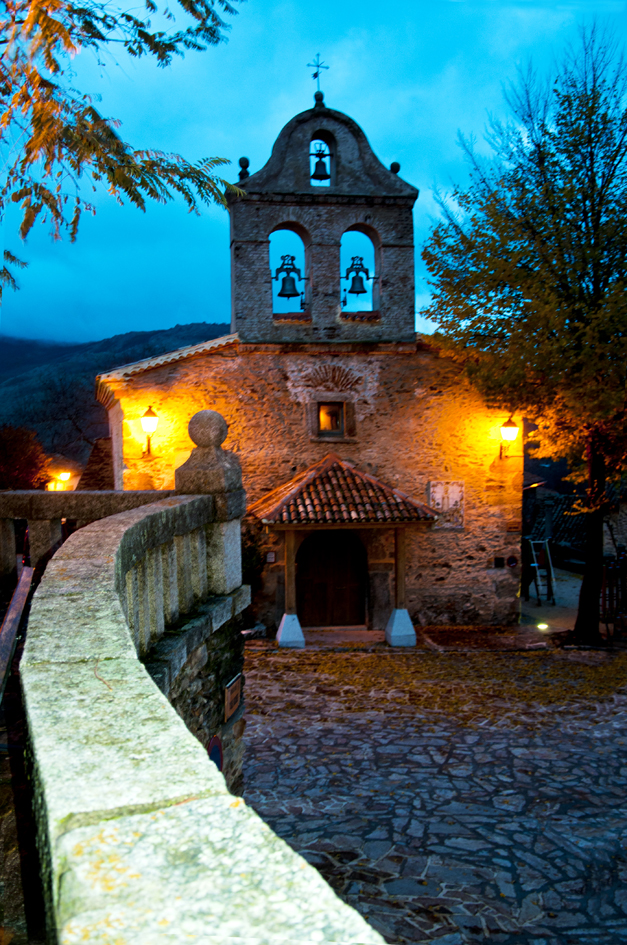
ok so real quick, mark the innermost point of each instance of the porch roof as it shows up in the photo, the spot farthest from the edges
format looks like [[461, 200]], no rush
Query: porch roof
[[334, 492]]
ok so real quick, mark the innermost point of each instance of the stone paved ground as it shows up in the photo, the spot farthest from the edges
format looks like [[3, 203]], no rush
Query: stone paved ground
[[453, 797]]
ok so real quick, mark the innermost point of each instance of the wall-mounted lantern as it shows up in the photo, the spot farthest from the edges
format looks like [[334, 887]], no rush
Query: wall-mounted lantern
[[509, 432], [149, 422], [357, 283], [288, 288]]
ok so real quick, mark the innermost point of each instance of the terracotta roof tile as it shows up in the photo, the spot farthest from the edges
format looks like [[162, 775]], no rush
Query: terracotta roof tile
[[335, 492]]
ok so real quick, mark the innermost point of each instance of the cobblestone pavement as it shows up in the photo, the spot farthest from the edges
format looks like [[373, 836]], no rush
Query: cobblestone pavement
[[450, 797]]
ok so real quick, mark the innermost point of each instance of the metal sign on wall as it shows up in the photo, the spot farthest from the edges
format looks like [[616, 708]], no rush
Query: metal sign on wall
[[232, 696], [447, 499]]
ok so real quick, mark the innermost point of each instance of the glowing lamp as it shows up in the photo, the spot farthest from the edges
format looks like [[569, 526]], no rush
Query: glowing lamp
[[149, 423], [64, 476], [509, 430], [543, 626]]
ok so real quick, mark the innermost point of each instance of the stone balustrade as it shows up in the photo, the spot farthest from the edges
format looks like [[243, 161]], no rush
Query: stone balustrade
[[44, 512], [140, 839]]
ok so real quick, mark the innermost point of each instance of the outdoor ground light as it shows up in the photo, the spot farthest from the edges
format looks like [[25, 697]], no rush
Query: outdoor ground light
[[58, 483], [509, 432], [149, 423], [543, 626]]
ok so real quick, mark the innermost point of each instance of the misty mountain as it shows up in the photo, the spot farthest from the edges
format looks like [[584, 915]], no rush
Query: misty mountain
[[49, 387]]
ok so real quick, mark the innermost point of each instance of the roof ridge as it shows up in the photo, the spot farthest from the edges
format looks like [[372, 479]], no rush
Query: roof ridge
[[342, 493], [307, 475], [179, 354]]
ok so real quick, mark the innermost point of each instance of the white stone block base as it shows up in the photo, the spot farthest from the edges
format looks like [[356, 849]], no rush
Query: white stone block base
[[290, 632], [400, 630]]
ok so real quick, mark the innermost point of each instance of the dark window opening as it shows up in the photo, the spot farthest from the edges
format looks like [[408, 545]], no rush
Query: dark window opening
[[331, 419]]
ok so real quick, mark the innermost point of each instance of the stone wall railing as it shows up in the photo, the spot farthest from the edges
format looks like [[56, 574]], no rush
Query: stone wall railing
[[141, 841], [44, 512]]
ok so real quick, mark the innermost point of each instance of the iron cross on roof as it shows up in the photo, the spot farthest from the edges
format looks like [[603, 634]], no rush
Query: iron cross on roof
[[318, 65]]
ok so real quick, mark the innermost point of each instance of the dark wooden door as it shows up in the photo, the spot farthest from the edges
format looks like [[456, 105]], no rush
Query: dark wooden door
[[331, 580]]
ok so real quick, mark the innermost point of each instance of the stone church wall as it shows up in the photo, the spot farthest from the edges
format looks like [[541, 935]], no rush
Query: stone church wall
[[416, 422]]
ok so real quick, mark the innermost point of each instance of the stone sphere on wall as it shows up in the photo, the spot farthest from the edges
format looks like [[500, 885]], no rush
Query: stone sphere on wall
[[208, 428]]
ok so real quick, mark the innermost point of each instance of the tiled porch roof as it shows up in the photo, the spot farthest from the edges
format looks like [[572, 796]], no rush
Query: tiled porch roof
[[334, 492]]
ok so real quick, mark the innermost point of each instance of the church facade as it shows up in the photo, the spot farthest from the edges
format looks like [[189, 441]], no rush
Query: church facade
[[378, 482]]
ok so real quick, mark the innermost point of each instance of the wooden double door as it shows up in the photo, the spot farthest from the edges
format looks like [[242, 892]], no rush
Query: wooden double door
[[331, 580]]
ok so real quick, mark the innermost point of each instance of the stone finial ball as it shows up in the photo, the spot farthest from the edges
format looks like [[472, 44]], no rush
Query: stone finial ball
[[395, 167], [208, 428], [244, 162], [319, 97]]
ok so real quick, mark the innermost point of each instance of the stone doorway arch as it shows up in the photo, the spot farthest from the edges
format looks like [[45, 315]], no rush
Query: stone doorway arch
[[331, 580]]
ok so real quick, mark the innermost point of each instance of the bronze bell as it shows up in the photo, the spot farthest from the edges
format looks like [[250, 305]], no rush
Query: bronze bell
[[288, 288], [357, 286], [320, 170]]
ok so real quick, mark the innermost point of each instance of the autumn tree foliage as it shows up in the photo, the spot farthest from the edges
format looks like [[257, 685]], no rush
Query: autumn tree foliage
[[23, 462], [56, 145], [529, 270]]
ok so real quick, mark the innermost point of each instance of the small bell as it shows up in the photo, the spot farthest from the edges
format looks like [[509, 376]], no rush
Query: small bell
[[320, 170], [357, 286], [288, 288]]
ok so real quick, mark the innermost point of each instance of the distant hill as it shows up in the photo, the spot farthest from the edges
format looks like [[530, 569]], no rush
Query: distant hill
[[20, 356], [49, 387]]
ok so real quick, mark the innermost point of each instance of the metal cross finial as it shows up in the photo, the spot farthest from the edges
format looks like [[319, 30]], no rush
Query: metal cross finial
[[318, 66]]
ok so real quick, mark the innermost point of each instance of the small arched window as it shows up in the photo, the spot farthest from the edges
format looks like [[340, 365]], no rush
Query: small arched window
[[288, 268], [359, 278], [322, 160]]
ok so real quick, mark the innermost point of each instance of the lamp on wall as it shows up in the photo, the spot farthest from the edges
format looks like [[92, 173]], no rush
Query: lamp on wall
[[149, 422], [509, 432]]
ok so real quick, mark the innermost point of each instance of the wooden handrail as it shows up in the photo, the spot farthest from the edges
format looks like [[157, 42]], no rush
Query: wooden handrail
[[11, 623]]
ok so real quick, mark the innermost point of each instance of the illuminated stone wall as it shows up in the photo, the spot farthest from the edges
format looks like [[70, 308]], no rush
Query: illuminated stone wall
[[416, 422]]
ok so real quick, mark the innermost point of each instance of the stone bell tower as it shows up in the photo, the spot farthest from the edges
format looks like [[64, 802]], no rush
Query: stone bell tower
[[360, 195]]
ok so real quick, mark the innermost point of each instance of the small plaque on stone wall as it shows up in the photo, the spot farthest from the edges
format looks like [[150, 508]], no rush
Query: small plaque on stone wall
[[232, 696], [447, 499]]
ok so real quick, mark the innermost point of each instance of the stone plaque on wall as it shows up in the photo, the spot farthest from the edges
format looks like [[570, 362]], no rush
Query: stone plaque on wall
[[232, 696], [447, 499]]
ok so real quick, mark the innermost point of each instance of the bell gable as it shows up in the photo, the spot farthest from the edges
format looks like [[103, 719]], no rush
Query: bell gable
[[321, 182]]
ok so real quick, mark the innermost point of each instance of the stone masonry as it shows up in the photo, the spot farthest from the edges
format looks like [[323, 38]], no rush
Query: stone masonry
[[363, 195], [408, 416], [192, 665], [140, 840], [415, 421]]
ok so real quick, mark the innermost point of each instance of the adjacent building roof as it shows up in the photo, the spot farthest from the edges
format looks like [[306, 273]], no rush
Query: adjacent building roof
[[334, 492], [98, 473]]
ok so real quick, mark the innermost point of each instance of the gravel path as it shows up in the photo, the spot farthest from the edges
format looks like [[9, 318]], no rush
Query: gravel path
[[450, 797]]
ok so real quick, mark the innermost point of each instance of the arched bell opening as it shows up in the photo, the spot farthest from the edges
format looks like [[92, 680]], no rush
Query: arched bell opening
[[322, 159], [289, 266], [331, 580], [359, 272]]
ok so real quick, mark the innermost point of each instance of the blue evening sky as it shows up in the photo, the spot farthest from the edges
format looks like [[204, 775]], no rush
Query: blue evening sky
[[411, 73]]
